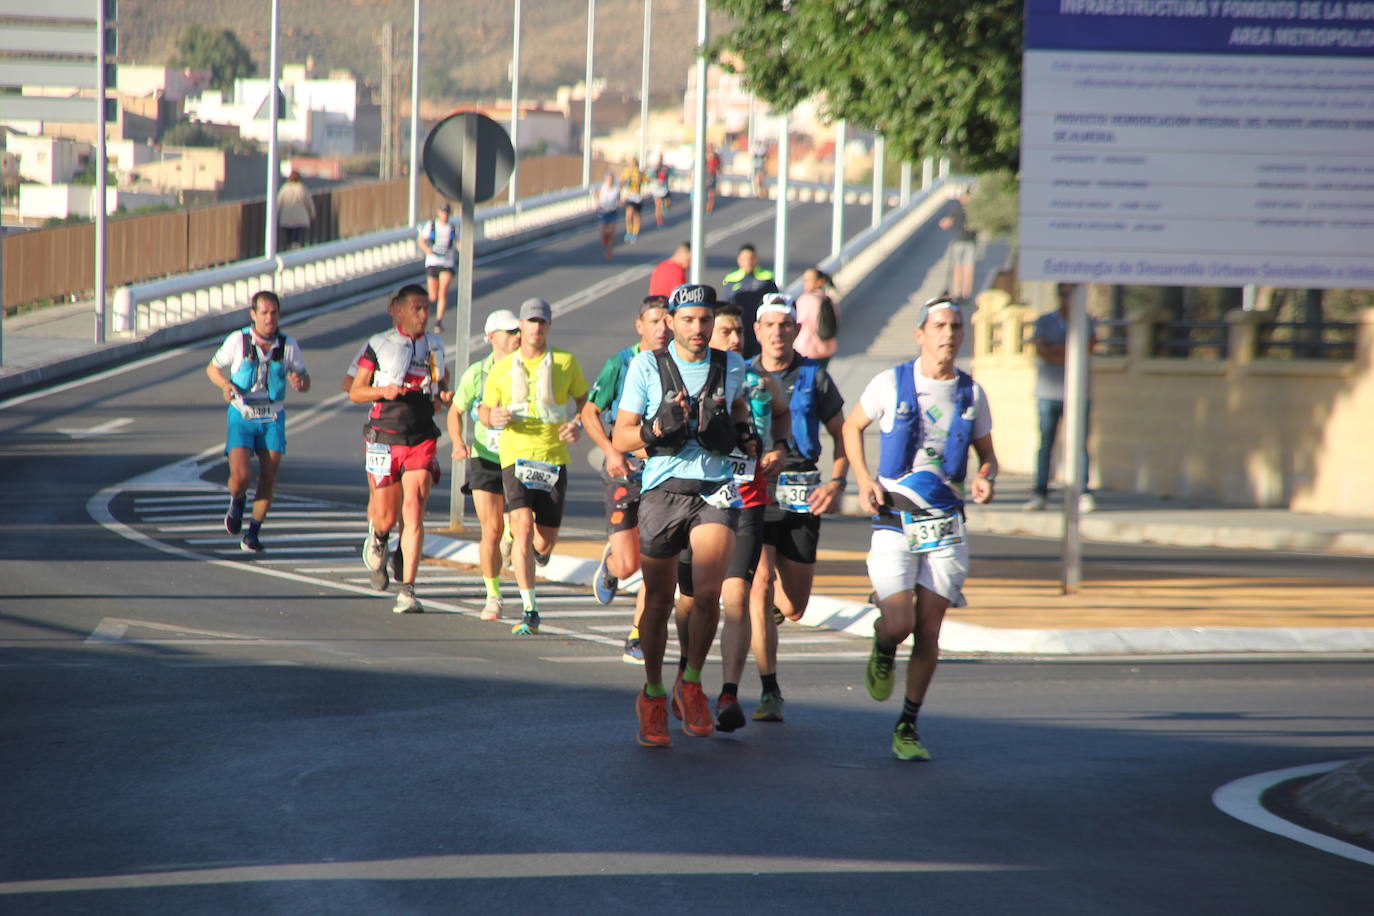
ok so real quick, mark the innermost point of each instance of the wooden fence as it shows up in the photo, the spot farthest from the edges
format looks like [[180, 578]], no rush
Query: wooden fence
[[58, 263]]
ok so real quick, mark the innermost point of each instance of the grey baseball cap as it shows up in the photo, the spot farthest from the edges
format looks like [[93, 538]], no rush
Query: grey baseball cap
[[535, 309]]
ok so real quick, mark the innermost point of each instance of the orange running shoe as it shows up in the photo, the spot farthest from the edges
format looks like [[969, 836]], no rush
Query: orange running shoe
[[696, 709], [652, 713]]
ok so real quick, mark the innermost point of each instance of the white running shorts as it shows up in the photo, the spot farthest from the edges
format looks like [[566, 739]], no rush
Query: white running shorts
[[892, 568]]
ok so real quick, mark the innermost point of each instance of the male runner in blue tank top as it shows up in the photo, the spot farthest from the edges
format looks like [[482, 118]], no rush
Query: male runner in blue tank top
[[928, 413]]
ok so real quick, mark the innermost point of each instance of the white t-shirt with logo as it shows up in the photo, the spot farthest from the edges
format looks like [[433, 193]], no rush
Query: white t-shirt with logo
[[935, 398]]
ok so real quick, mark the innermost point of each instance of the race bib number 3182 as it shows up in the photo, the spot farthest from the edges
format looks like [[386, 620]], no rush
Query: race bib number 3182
[[925, 533]]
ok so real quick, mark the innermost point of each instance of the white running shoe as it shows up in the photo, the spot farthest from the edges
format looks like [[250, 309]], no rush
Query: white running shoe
[[1035, 504], [407, 603], [375, 549], [1086, 503], [492, 609]]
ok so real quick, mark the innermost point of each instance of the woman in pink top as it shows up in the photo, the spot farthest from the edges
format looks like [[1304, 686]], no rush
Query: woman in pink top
[[813, 339]]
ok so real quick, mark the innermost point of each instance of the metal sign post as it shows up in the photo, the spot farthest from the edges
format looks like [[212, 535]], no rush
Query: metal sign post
[[699, 154], [468, 157], [1075, 434], [780, 228], [837, 203]]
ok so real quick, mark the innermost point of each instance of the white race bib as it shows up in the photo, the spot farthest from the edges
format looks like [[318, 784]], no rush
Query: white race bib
[[257, 410], [742, 467], [925, 533], [536, 475], [726, 496], [378, 459], [493, 440], [795, 489]]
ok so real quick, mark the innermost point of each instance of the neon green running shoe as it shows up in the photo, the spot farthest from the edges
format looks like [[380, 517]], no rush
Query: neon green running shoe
[[906, 743], [878, 675]]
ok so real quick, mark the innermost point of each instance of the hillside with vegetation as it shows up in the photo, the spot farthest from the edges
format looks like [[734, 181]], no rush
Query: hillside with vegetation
[[466, 44]]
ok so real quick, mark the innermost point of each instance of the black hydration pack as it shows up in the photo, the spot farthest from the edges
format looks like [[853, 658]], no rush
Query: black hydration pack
[[715, 431]]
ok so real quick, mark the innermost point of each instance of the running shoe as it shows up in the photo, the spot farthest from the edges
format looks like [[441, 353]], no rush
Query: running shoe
[[906, 743], [778, 617], [652, 713], [375, 548], [696, 709], [878, 674], [1035, 504], [634, 653], [769, 708], [528, 625], [492, 609], [250, 542], [603, 583], [233, 519], [1087, 503], [729, 714], [407, 603], [541, 559]]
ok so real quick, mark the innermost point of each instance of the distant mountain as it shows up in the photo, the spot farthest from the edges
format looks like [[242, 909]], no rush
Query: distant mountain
[[466, 44]]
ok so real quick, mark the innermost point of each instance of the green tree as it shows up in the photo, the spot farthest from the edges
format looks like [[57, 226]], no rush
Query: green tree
[[936, 77], [216, 50]]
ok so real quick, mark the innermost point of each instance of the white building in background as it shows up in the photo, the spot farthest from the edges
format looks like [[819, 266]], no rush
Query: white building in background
[[58, 201], [171, 83], [47, 160], [326, 117]]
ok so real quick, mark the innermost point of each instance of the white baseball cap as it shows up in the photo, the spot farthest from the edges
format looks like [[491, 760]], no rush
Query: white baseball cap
[[781, 303], [502, 320]]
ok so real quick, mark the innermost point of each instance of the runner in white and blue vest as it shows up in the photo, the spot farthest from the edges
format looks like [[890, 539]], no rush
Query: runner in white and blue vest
[[928, 413], [253, 368]]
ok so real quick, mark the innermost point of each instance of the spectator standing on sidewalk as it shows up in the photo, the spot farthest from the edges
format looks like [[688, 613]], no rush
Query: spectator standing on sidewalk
[[963, 250], [1050, 338], [295, 211], [818, 320]]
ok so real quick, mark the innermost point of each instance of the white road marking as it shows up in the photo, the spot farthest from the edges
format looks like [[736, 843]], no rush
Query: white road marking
[[1241, 800], [157, 519], [273, 522], [272, 549], [107, 428]]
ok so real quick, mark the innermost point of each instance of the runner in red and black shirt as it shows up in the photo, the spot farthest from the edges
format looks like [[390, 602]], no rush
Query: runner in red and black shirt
[[402, 374]]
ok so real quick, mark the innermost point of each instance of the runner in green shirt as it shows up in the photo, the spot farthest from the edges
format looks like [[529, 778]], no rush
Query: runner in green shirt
[[484, 460], [620, 559]]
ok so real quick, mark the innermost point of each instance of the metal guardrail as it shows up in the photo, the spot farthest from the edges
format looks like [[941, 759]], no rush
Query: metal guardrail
[[1191, 339], [141, 308]]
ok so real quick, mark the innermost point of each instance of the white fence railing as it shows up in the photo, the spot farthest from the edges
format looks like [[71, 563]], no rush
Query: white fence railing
[[141, 308]]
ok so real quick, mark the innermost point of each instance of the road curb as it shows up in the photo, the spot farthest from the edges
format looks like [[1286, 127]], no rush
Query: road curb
[[958, 637]]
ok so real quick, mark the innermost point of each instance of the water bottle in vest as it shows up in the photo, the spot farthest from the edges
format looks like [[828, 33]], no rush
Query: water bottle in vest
[[760, 404]]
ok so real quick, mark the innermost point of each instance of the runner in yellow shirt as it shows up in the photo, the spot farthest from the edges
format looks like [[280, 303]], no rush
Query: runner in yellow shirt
[[526, 397], [632, 187]]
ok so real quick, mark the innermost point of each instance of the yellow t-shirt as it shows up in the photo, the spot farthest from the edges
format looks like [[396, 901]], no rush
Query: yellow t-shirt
[[527, 435], [632, 178]]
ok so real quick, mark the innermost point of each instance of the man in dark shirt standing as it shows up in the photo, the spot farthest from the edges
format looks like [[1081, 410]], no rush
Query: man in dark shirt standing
[[746, 288]]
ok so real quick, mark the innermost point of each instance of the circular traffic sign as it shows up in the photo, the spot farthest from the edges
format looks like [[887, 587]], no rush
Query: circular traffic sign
[[446, 147]]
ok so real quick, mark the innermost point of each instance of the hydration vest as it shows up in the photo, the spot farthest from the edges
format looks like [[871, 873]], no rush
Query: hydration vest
[[806, 423], [431, 233], [248, 375], [898, 446], [395, 354], [715, 430]]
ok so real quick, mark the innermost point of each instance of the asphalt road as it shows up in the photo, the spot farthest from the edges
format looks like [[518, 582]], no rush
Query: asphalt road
[[186, 730]]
